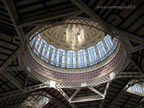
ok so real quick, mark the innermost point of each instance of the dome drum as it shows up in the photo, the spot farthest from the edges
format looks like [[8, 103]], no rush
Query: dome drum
[[70, 62], [69, 80]]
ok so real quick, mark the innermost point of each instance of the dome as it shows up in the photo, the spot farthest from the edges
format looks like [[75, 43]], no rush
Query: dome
[[73, 52], [73, 44]]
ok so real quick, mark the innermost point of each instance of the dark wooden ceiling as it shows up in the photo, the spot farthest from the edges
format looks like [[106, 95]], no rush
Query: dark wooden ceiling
[[19, 17]]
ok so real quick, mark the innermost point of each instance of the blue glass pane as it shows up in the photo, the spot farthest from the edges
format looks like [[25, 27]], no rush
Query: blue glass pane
[[71, 59], [39, 47], [63, 59], [92, 55], [109, 43], [101, 50], [35, 48], [57, 58], [32, 42], [47, 55], [74, 60], [82, 59], [52, 49], [60, 56], [44, 49]]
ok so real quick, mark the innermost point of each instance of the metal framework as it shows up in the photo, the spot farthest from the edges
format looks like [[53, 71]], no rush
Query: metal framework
[[10, 7], [73, 99], [15, 18]]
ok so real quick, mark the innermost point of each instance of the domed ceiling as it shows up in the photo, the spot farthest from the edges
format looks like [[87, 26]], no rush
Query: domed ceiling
[[73, 51], [73, 34]]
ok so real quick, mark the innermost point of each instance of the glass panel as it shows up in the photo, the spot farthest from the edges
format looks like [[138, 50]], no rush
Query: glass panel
[[52, 49], [92, 55], [82, 59], [63, 59], [35, 48], [71, 59], [57, 57], [48, 53], [101, 50], [32, 41], [44, 49], [39, 47], [109, 43], [60, 58]]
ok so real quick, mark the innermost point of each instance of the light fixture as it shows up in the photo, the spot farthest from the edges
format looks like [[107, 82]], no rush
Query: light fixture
[[52, 84], [83, 84], [112, 75], [28, 68]]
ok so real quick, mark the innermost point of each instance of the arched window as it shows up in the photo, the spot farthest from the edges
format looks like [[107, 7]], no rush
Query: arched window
[[71, 59], [101, 50], [36, 44], [60, 58], [52, 54], [109, 43], [92, 55], [43, 49], [82, 59], [33, 40]]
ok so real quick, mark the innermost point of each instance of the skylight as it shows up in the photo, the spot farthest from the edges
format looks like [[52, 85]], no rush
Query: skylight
[[71, 58]]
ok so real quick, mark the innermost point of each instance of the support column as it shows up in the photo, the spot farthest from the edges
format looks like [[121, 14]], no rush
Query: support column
[[65, 59], [87, 57], [36, 47], [76, 54], [106, 48], [55, 56], [60, 58], [50, 55], [45, 54], [41, 50]]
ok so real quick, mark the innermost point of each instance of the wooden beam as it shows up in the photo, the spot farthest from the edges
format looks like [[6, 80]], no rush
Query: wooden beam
[[10, 94], [128, 35], [86, 99], [26, 81], [47, 18], [137, 48], [136, 65], [13, 80], [15, 68], [118, 96], [105, 92], [110, 29], [74, 94], [66, 97], [96, 91], [130, 74], [85, 8], [10, 59], [9, 4]]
